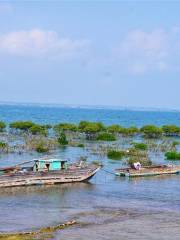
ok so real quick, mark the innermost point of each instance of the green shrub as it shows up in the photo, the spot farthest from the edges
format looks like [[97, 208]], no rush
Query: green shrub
[[41, 148], [171, 130], [140, 146], [130, 131], [114, 128], [115, 155], [38, 129], [2, 126], [3, 145], [175, 143], [172, 155], [151, 131], [81, 145], [106, 137], [91, 127], [65, 127], [21, 125], [62, 139]]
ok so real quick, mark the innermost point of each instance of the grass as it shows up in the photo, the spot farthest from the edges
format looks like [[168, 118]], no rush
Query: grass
[[115, 155], [172, 155]]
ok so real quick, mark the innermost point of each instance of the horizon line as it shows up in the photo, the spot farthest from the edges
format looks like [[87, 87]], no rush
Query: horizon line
[[88, 106]]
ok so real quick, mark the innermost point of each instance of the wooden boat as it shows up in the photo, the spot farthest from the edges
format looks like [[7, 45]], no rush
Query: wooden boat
[[148, 171], [46, 171]]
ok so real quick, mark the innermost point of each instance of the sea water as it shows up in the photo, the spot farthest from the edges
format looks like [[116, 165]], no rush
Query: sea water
[[108, 207]]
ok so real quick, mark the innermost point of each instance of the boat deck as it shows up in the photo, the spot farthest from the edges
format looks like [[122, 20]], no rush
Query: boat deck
[[23, 178]]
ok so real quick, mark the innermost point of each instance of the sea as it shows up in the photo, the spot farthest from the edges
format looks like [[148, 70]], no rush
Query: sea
[[108, 207]]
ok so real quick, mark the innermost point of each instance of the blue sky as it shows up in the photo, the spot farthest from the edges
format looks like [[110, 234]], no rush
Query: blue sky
[[116, 53]]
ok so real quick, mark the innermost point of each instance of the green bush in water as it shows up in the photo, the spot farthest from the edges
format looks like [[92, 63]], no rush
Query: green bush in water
[[140, 146], [3, 145], [65, 127], [81, 145], [175, 143], [114, 128], [115, 155], [2, 126], [172, 155], [151, 131], [62, 139], [21, 125], [90, 127], [38, 130], [106, 137], [130, 131], [41, 148], [171, 130]]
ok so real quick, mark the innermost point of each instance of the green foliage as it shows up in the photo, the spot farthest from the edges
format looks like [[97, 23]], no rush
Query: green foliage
[[22, 125], [140, 146], [171, 130], [131, 130], [175, 143], [151, 131], [172, 155], [3, 145], [115, 155], [106, 137], [91, 127], [114, 128], [2, 126], [62, 139], [125, 131], [38, 130], [41, 147], [81, 145], [65, 127], [145, 161]]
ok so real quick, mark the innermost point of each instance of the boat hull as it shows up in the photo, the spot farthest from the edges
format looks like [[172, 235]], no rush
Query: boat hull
[[47, 178], [148, 171]]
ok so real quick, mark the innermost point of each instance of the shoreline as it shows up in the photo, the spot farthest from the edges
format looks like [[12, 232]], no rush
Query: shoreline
[[42, 232]]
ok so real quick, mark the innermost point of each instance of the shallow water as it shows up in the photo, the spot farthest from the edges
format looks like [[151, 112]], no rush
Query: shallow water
[[108, 207]]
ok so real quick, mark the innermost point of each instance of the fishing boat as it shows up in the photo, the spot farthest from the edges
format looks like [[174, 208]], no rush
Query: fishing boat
[[148, 171], [46, 171]]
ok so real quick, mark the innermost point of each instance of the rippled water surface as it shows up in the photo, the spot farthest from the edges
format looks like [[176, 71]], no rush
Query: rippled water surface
[[108, 207]]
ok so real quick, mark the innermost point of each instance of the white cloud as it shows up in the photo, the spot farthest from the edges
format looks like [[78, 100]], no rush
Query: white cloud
[[38, 43], [142, 51]]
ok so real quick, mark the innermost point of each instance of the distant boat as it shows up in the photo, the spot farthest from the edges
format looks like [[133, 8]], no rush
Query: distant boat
[[46, 171], [148, 171]]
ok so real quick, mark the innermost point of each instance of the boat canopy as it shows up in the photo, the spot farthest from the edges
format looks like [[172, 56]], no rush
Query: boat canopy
[[49, 165]]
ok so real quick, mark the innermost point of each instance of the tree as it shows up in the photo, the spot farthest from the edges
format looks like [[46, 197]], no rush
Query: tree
[[38, 130], [65, 127], [171, 130], [130, 131], [151, 131], [91, 129], [62, 139], [21, 125], [114, 128]]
